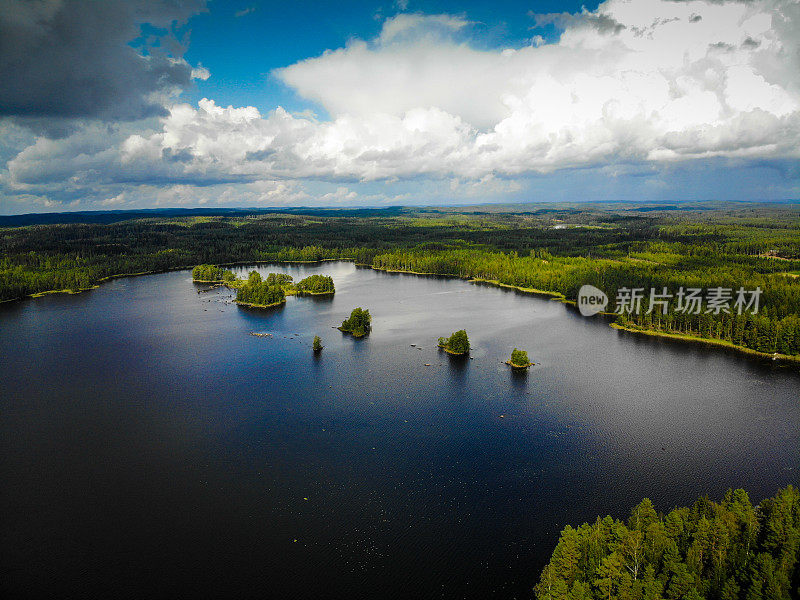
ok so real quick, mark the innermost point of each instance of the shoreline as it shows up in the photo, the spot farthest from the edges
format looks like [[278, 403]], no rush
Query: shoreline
[[352, 333], [795, 359], [296, 293], [516, 366], [251, 305], [451, 353], [682, 337], [533, 291]]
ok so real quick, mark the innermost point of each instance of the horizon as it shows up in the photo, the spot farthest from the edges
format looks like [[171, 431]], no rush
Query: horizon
[[236, 104]]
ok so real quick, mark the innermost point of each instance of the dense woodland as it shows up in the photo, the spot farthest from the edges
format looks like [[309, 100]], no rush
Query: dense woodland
[[729, 550], [551, 248]]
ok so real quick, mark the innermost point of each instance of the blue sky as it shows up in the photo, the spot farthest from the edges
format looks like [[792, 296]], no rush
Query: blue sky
[[151, 103], [242, 42]]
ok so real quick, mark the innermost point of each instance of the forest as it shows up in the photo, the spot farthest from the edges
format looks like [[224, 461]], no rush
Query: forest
[[728, 550], [551, 249]]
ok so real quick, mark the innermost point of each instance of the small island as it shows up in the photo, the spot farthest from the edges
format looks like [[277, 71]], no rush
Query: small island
[[359, 324], [315, 285], [259, 293], [519, 359], [212, 274], [457, 344], [317, 344]]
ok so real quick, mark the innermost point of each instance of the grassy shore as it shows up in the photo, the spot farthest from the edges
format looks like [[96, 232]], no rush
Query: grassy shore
[[451, 352], [291, 292], [516, 366], [707, 341], [493, 282], [251, 305], [351, 332], [525, 290]]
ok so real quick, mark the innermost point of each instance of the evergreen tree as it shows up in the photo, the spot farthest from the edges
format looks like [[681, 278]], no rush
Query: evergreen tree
[[359, 323], [711, 551], [457, 343], [519, 358]]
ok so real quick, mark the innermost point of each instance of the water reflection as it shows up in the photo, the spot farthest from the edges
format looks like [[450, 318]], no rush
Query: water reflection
[[519, 379]]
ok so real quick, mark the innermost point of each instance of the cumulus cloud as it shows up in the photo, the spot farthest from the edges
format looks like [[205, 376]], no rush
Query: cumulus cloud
[[72, 58], [644, 82]]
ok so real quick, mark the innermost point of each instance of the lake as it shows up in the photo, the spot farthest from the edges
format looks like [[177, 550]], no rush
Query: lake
[[151, 447]]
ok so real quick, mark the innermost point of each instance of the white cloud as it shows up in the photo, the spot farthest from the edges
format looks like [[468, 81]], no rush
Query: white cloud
[[201, 73], [644, 81]]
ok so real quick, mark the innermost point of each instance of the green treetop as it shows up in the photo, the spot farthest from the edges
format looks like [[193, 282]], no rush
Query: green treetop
[[519, 358], [315, 284], [281, 279], [359, 323], [317, 345], [260, 293], [458, 343], [720, 551], [207, 273]]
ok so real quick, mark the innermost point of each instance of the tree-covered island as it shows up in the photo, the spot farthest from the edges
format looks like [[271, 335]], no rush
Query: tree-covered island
[[358, 324], [457, 344], [211, 274], [316, 345], [519, 359], [315, 285], [259, 292]]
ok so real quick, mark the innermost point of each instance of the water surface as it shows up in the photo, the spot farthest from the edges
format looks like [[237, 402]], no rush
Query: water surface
[[151, 447]]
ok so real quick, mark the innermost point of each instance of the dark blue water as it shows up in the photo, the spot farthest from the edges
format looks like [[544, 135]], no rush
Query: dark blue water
[[151, 447]]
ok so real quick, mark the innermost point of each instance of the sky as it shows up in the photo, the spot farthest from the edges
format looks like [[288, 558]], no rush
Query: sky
[[130, 104]]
